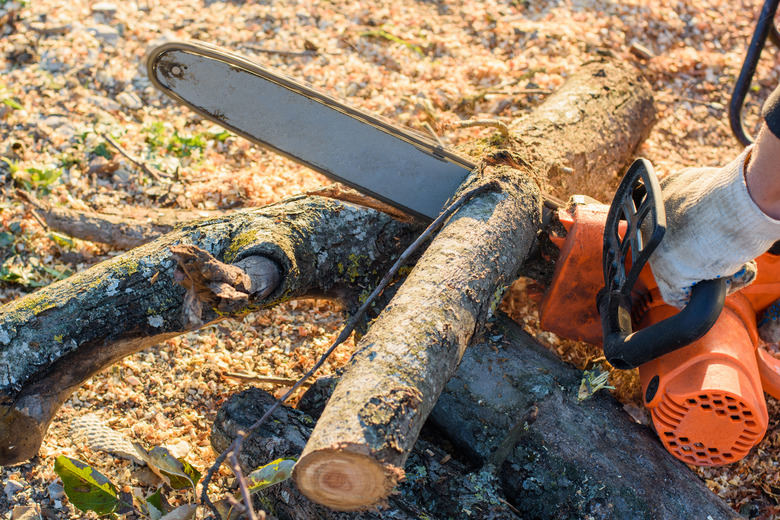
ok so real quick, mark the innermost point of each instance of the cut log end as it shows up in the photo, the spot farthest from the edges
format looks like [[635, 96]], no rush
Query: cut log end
[[21, 433], [345, 480]]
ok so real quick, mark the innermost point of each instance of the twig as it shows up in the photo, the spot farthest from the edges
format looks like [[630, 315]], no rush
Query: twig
[[343, 193], [235, 446], [511, 507], [151, 170], [436, 137], [255, 378], [520, 91], [265, 50], [495, 123], [242, 484], [40, 220], [712, 104]]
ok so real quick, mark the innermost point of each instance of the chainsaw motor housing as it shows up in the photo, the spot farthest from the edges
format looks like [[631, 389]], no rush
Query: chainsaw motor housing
[[705, 395], [706, 399]]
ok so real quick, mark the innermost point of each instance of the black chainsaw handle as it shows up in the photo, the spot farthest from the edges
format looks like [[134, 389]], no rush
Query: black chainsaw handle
[[625, 349], [765, 27], [638, 202]]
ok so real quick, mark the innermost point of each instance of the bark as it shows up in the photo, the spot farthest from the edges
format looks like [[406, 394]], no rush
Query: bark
[[401, 365], [513, 405], [132, 228], [53, 340], [356, 453], [584, 133], [512, 412], [438, 486]]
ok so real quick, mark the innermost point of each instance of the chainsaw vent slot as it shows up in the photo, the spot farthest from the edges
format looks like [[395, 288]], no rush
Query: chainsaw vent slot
[[641, 303], [706, 429]]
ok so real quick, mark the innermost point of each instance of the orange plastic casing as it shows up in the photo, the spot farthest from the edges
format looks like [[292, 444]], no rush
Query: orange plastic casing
[[706, 399], [568, 307]]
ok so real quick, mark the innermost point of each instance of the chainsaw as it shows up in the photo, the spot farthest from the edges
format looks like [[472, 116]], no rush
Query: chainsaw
[[702, 369]]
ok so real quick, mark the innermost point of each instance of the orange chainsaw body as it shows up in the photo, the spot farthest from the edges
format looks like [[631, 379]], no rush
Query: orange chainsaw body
[[706, 399]]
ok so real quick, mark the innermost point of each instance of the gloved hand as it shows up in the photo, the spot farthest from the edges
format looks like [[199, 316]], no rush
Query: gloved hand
[[714, 230]]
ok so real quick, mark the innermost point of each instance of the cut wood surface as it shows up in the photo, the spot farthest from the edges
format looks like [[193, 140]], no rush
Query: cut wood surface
[[357, 451]]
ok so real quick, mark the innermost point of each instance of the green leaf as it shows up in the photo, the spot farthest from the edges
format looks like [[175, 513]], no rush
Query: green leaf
[[217, 133], [56, 274], [270, 474], [13, 166], [44, 177], [62, 240], [154, 504], [102, 150], [86, 488], [222, 136], [6, 239], [190, 478], [178, 473], [182, 144], [261, 478], [11, 273], [13, 103], [155, 134]]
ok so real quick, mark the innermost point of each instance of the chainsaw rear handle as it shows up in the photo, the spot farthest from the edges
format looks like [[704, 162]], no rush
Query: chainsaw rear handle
[[639, 205], [765, 28]]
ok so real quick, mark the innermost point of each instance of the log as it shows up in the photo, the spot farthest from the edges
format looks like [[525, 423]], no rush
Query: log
[[357, 451], [439, 486], [53, 340], [514, 406], [355, 455], [134, 227], [518, 429]]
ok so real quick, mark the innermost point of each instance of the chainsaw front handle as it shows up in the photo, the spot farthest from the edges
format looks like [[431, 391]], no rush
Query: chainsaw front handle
[[625, 349], [638, 209]]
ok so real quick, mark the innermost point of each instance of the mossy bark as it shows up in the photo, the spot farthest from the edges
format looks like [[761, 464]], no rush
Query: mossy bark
[[356, 453], [53, 340]]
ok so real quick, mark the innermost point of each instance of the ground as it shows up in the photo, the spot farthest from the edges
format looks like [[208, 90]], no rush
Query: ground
[[73, 73]]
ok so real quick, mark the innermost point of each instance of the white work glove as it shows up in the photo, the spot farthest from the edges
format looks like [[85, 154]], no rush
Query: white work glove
[[713, 230]]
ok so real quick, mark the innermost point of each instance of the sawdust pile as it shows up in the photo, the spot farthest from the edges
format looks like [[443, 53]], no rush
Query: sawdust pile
[[74, 72]]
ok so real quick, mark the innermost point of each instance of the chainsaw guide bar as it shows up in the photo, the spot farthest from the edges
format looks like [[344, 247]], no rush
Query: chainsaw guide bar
[[374, 156]]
